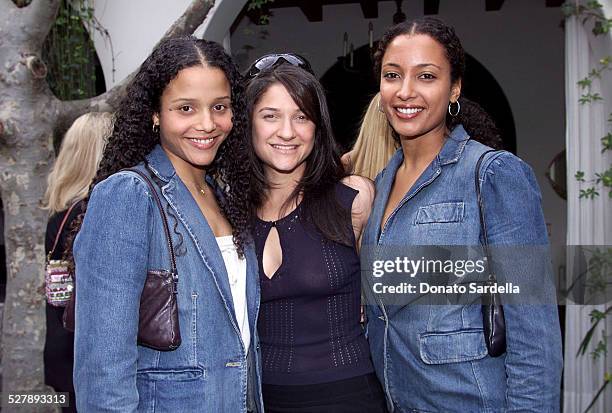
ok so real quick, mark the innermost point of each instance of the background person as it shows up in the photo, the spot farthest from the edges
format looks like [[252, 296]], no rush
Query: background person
[[68, 183], [374, 145]]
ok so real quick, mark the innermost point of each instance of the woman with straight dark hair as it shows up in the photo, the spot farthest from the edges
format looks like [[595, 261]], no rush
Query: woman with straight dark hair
[[436, 352], [177, 213], [307, 221]]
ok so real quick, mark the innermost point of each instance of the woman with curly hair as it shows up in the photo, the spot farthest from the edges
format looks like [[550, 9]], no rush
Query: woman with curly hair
[[445, 188], [308, 217], [182, 124]]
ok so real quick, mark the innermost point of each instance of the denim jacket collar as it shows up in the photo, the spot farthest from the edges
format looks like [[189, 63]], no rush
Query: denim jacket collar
[[453, 147], [160, 164], [450, 153]]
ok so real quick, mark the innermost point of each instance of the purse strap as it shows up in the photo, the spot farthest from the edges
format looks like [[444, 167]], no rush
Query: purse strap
[[481, 213], [163, 216], [61, 229]]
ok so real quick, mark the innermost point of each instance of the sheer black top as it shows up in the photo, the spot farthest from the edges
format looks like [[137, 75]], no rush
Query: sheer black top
[[309, 320]]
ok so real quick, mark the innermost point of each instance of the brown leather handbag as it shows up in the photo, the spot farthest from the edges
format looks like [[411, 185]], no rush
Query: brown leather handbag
[[158, 324]]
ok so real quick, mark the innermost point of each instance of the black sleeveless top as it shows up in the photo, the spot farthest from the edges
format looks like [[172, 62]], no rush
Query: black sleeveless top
[[310, 309]]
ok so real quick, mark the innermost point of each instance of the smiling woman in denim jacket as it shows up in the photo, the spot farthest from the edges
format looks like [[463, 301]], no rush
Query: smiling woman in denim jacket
[[183, 117], [433, 358]]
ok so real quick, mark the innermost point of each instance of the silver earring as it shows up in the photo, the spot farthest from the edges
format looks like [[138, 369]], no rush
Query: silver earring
[[450, 112], [380, 109], [155, 127]]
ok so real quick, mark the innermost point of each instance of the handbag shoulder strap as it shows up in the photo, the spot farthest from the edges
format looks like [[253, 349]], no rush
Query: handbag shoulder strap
[[155, 196], [61, 229], [481, 213]]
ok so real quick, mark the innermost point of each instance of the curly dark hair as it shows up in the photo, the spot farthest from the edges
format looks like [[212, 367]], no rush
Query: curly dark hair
[[323, 167], [132, 138], [478, 124]]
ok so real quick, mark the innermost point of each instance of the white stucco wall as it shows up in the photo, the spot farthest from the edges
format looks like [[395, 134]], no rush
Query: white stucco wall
[[522, 46], [135, 26]]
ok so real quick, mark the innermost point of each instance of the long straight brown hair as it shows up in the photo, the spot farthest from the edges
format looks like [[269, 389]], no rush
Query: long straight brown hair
[[323, 167]]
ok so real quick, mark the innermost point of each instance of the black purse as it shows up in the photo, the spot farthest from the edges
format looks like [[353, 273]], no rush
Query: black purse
[[493, 319], [158, 324]]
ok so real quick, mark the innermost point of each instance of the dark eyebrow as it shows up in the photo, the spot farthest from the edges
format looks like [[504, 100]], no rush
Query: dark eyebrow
[[392, 65], [428, 64], [420, 65], [268, 108], [185, 100], [190, 100]]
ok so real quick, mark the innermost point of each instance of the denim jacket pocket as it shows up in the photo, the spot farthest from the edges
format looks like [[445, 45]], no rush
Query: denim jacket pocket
[[173, 374], [445, 212], [452, 346]]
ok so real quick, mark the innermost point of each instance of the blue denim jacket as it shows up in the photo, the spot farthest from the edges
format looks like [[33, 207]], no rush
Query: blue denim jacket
[[433, 358], [121, 238]]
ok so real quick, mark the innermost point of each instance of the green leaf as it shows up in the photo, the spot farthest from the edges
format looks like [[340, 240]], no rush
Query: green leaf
[[593, 5], [579, 176], [584, 83], [584, 344], [605, 178], [258, 4], [589, 193], [599, 28], [590, 97], [606, 142], [597, 315], [586, 340], [601, 349]]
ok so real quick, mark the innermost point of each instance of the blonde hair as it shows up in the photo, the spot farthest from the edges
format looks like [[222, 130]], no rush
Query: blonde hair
[[78, 160], [374, 145]]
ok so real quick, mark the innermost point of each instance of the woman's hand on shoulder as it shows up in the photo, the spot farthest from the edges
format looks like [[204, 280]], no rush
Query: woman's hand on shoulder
[[347, 162], [362, 204]]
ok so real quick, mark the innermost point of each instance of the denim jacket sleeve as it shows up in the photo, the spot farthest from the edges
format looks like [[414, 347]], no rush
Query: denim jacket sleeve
[[111, 254], [513, 213]]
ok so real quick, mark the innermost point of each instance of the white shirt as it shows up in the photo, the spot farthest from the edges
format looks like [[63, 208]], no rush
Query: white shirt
[[236, 272]]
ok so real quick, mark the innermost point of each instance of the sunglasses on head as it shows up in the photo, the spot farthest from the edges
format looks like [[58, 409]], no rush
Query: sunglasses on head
[[271, 60]]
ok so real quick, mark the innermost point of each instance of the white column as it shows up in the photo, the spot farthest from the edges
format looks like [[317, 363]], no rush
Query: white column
[[589, 222]]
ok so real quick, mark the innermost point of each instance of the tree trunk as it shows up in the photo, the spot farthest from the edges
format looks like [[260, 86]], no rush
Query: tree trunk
[[29, 114]]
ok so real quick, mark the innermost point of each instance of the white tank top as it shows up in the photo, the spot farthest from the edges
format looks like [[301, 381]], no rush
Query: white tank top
[[236, 271]]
